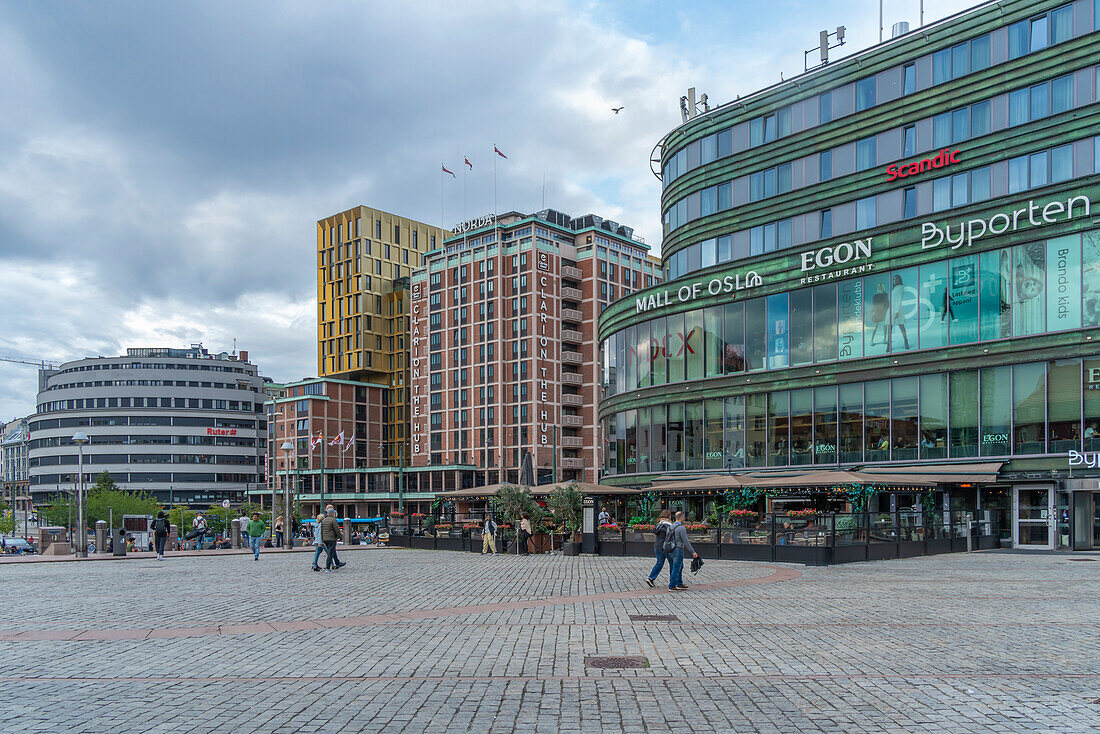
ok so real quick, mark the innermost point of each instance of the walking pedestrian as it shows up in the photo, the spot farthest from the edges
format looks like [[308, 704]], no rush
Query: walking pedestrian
[[330, 533], [318, 544], [242, 523], [681, 545], [664, 527], [160, 534], [525, 533], [488, 536], [198, 530], [279, 531], [256, 528]]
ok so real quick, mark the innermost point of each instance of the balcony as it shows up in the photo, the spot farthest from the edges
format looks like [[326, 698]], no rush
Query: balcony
[[573, 400], [572, 442], [568, 271], [573, 294], [572, 463], [571, 336], [572, 378], [572, 358], [572, 420], [571, 314]]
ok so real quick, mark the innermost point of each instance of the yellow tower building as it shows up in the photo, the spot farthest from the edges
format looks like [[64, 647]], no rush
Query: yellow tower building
[[364, 259]]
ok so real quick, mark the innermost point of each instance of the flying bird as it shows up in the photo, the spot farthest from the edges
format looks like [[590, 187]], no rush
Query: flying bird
[[616, 110]]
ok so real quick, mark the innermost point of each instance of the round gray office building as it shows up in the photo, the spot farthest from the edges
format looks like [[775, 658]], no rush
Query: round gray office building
[[181, 424]]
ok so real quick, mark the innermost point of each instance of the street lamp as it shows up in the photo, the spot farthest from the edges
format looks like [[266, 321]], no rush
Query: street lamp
[[82, 531], [288, 523]]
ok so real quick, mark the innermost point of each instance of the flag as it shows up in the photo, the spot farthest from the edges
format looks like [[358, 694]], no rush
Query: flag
[[446, 171], [350, 442], [314, 441], [497, 151], [339, 440], [471, 165]]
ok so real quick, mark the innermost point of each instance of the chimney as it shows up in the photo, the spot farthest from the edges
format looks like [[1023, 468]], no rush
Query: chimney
[[899, 29]]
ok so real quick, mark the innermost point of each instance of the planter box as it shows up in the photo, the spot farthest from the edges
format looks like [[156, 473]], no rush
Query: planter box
[[571, 549], [910, 548]]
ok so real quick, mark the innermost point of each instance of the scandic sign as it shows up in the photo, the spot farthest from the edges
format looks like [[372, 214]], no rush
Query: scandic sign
[[944, 158]]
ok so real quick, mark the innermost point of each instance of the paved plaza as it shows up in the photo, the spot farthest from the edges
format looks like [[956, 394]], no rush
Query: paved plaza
[[405, 640]]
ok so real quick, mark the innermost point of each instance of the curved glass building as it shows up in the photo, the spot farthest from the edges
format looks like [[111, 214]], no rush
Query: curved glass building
[[890, 264]]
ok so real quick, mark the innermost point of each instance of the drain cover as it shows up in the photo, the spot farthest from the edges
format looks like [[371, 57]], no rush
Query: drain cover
[[654, 618], [630, 661]]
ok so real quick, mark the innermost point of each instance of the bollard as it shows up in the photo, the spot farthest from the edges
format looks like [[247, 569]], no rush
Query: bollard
[[237, 532], [120, 543], [173, 543], [347, 531], [101, 537], [969, 533]]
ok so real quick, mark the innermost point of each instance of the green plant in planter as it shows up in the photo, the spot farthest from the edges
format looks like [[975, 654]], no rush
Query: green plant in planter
[[566, 503], [846, 524]]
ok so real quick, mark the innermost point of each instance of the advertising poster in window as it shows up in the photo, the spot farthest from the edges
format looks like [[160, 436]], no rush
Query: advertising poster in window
[[876, 299], [1028, 289], [935, 305], [1063, 283], [963, 295], [777, 331], [851, 318], [904, 304], [1091, 278], [996, 286]]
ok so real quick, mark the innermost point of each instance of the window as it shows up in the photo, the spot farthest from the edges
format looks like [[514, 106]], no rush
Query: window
[[865, 213], [866, 153], [909, 79], [910, 202], [865, 93], [909, 144], [825, 106], [826, 165], [826, 223]]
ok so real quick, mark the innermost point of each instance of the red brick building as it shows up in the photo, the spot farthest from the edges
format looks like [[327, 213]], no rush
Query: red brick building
[[504, 347]]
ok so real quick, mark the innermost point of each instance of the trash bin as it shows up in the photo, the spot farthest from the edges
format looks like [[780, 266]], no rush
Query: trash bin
[[120, 542], [100, 537]]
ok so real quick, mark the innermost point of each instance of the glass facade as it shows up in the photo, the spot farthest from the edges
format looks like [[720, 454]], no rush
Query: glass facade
[[1028, 289], [998, 412]]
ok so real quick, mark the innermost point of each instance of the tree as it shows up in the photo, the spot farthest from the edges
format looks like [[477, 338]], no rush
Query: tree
[[106, 500], [566, 502], [7, 522], [57, 512], [511, 502]]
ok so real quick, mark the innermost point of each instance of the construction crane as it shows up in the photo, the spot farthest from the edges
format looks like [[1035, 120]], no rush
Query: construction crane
[[41, 364]]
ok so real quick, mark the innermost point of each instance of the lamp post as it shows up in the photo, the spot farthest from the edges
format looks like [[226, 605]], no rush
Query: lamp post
[[82, 531], [288, 523]]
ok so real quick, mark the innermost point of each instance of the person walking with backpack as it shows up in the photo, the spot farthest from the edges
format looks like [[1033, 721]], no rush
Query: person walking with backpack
[[488, 536], [198, 531], [256, 528], [330, 532], [680, 546], [663, 533], [160, 534]]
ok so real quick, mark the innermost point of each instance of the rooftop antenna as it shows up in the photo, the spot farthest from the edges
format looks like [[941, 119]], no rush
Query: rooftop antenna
[[689, 108], [823, 46]]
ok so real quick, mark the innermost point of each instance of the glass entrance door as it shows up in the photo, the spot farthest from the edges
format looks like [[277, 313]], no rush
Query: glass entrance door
[[1033, 515]]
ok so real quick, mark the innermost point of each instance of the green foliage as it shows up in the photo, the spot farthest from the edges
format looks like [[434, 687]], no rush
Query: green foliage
[[845, 523], [7, 521], [181, 517], [511, 502], [566, 503], [105, 496], [56, 512], [859, 495]]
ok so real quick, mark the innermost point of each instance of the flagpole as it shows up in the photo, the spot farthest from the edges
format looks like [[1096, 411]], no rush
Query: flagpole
[[465, 169], [495, 212], [441, 219]]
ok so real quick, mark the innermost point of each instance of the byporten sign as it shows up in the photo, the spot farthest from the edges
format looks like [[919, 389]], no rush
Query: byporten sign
[[968, 232]]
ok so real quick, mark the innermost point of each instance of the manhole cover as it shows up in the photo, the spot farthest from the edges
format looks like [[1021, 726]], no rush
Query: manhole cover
[[1082, 559], [632, 661], [654, 618]]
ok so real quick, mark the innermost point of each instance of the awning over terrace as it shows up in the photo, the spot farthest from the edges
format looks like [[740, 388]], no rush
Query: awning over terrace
[[491, 490], [926, 476]]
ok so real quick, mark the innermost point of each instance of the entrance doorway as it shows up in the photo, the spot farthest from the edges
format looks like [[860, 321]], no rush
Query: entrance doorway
[[1033, 515]]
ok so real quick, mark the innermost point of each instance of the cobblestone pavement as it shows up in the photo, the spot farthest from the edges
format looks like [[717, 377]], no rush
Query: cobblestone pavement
[[403, 640]]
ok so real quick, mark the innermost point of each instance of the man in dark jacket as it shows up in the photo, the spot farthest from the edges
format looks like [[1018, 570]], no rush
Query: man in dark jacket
[[681, 545], [330, 533], [160, 534]]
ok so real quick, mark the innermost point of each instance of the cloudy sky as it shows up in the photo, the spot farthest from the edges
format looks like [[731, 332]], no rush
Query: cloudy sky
[[163, 164]]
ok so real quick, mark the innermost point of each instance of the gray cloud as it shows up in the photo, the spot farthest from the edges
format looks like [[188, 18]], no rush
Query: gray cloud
[[162, 164]]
